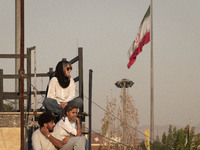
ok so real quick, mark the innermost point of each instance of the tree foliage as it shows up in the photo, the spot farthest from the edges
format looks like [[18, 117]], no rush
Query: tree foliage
[[113, 122], [132, 121], [8, 107], [181, 139]]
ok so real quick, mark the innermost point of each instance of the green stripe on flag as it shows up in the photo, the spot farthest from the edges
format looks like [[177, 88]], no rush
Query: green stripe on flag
[[146, 15]]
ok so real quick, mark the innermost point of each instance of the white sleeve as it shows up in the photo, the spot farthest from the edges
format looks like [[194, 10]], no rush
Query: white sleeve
[[71, 90], [36, 142], [52, 88]]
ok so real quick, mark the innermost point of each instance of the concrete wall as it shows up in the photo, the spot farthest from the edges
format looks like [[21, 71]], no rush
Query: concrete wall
[[10, 138], [10, 130]]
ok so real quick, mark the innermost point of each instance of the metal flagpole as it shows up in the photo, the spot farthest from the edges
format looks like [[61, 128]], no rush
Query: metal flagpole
[[152, 83]]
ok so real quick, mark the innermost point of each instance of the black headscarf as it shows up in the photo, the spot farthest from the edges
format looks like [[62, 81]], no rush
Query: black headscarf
[[63, 80]]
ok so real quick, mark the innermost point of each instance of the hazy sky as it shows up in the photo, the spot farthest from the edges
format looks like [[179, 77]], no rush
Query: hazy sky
[[105, 29]]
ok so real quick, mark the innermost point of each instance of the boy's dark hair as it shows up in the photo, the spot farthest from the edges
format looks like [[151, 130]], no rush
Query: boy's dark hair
[[45, 118]]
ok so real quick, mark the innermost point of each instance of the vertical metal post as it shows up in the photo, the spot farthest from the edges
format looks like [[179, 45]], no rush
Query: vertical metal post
[[35, 81], [152, 79], [1, 90], [28, 80], [124, 115], [90, 108], [124, 83], [80, 64], [17, 46], [50, 73], [22, 74]]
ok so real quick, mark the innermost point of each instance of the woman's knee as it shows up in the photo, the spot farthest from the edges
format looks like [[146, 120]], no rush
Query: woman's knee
[[49, 102], [78, 99], [79, 103]]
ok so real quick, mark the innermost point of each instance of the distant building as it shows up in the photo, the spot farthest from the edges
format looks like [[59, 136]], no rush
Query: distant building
[[98, 142]]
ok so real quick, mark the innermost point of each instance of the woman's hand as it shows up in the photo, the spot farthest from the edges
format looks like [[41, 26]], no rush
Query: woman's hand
[[78, 127], [77, 120], [63, 105]]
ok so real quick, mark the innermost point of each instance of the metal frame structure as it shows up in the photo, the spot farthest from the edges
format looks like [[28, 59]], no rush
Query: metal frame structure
[[15, 95], [27, 95], [29, 92]]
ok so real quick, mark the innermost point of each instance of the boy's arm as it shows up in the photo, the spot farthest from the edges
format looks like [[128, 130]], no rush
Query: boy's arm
[[65, 140], [53, 140]]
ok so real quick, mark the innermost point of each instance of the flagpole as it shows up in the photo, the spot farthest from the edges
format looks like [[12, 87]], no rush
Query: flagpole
[[152, 83]]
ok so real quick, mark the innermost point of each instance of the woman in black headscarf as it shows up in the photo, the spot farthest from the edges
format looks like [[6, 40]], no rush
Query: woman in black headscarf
[[61, 90]]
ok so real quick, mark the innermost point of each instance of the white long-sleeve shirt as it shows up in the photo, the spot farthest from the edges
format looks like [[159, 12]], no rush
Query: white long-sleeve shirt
[[60, 94]]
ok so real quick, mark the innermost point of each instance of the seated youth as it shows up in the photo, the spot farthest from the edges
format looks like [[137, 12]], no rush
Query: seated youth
[[61, 90], [69, 127], [44, 137]]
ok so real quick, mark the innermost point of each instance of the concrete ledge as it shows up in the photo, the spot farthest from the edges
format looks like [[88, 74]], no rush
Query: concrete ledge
[[19, 113], [13, 119]]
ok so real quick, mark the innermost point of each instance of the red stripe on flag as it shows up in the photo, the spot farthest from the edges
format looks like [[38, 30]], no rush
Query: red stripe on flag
[[145, 40]]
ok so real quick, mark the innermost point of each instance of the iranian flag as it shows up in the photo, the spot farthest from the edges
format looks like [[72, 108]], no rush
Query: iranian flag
[[142, 38]]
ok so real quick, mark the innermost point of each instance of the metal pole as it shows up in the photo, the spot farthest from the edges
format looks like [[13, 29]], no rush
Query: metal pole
[[124, 83], [28, 80], [35, 81], [124, 115], [22, 74], [1, 90], [17, 46], [152, 81], [90, 108], [80, 64]]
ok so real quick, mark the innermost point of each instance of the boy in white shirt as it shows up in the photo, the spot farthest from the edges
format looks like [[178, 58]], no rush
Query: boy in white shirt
[[44, 137], [69, 127]]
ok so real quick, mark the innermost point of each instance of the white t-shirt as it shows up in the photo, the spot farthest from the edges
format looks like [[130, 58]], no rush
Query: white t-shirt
[[65, 128], [60, 94], [40, 142]]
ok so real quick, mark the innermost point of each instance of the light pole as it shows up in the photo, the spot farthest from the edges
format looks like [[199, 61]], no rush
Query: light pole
[[124, 83]]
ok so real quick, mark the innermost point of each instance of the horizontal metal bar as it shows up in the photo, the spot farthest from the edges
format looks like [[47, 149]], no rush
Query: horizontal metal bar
[[16, 95], [39, 92], [18, 113], [74, 60], [76, 79], [11, 76], [12, 56], [12, 95]]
